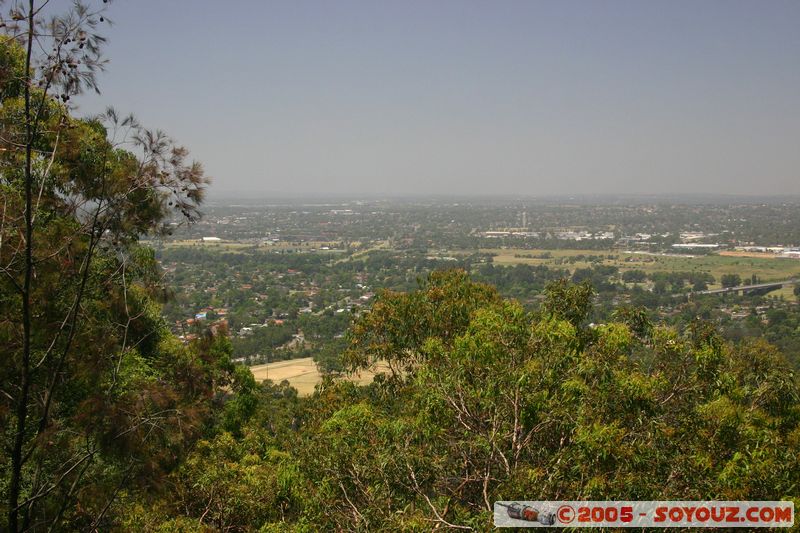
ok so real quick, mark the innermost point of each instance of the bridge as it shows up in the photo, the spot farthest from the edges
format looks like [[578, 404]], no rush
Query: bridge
[[753, 287]]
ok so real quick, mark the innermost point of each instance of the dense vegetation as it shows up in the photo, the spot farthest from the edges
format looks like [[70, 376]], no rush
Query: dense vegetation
[[485, 401], [96, 395]]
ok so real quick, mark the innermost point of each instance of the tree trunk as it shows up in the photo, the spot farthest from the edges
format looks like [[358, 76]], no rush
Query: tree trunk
[[22, 401]]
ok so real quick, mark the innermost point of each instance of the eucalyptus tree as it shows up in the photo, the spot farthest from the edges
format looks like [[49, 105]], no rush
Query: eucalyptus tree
[[76, 291], [491, 402]]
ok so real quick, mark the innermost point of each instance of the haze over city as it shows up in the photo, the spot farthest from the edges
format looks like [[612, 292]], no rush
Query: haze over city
[[529, 98]]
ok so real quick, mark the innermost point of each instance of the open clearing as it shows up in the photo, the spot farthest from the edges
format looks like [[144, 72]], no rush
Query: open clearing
[[229, 246], [742, 253], [302, 374], [766, 268], [787, 293]]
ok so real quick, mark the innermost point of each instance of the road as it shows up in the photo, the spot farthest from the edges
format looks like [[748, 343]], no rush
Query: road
[[767, 285]]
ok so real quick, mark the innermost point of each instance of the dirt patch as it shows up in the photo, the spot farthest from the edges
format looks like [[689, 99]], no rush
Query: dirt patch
[[761, 255]]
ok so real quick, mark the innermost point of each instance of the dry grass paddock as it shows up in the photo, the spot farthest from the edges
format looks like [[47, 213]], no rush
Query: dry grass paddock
[[302, 374]]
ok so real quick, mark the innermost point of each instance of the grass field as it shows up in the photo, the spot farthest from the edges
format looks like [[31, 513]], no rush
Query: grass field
[[238, 247], [787, 293], [218, 245], [766, 268], [302, 374]]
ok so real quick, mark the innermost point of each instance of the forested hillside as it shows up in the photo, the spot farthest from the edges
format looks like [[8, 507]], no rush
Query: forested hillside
[[484, 402]]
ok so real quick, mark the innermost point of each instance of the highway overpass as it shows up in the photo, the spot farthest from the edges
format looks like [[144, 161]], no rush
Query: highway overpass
[[745, 288]]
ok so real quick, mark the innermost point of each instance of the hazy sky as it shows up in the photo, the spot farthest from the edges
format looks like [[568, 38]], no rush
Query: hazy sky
[[492, 97]]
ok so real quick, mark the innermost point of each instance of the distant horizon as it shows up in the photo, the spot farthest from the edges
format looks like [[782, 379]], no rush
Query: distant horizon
[[258, 196], [514, 97]]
